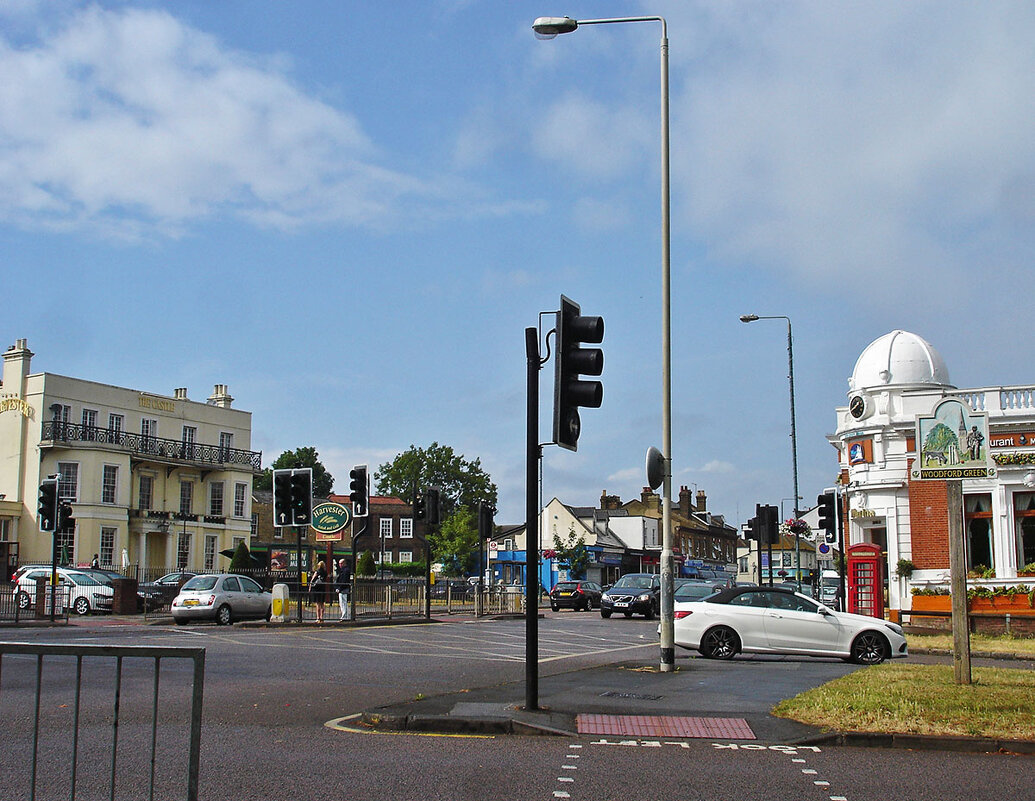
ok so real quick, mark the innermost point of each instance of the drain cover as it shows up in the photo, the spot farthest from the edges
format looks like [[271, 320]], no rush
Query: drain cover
[[665, 726], [636, 696]]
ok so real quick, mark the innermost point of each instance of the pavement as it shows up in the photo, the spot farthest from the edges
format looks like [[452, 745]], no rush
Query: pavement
[[634, 700]]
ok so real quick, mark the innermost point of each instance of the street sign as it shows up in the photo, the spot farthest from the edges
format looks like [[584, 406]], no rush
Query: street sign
[[952, 444], [329, 520]]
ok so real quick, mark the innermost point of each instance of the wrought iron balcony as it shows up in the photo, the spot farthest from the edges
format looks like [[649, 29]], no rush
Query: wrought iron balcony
[[164, 450]]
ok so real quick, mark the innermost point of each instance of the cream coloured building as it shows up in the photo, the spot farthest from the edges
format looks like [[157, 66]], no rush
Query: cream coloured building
[[163, 482]]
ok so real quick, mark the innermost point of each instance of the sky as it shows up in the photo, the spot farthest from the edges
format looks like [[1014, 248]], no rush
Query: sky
[[349, 212]]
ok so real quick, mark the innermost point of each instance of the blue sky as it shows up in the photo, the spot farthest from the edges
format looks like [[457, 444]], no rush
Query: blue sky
[[349, 212]]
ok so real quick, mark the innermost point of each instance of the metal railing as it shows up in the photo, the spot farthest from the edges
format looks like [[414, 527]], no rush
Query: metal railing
[[159, 447], [55, 711]]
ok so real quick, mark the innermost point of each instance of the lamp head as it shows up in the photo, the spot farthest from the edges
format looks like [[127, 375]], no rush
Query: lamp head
[[748, 318], [549, 27]]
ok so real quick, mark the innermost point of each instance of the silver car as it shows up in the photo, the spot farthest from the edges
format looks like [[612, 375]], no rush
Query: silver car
[[223, 598]]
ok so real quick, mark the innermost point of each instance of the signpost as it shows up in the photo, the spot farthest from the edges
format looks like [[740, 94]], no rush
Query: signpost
[[952, 446]]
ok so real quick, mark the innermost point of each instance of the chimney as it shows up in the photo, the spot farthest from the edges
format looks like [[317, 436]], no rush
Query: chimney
[[702, 501], [16, 368], [685, 507], [610, 502], [180, 393], [220, 397], [647, 496]]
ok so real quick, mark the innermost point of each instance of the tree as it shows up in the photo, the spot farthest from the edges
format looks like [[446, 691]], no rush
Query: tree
[[455, 542], [242, 560], [572, 552], [365, 566], [463, 483], [323, 482]]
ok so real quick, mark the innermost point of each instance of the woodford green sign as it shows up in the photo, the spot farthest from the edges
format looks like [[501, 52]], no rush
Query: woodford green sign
[[330, 518]]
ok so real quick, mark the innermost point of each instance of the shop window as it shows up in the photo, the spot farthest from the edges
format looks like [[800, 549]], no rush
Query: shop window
[[978, 531], [1024, 525]]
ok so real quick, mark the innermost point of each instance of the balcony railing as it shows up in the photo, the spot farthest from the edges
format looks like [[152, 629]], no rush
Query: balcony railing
[[156, 447]]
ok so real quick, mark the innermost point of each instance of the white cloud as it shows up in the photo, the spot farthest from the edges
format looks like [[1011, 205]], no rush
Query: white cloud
[[133, 122]]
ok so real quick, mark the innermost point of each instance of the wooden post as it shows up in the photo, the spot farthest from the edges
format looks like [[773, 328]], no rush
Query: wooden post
[[958, 583]]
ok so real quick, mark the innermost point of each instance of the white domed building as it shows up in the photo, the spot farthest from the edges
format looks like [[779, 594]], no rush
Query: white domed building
[[897, 378]]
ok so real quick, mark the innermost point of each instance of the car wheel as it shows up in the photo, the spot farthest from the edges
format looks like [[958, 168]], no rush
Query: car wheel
[[720, 642], [554, 608], [223, 615], [605, 613], [180, 621], [869, 648], [628, 614], [81, 606], [24, 601]]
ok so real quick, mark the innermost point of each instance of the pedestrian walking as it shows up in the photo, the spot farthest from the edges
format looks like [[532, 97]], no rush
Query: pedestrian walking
[[318, 589], [343, 583], [96, 561]]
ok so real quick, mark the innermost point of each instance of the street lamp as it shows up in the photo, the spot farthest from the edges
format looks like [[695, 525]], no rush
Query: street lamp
[[750, 318], [548, 28]]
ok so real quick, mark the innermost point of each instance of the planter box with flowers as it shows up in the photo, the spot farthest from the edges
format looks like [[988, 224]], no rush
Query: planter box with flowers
[[1018, 600]]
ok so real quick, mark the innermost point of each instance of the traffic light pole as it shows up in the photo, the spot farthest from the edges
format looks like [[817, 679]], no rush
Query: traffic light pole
[[532, 455]]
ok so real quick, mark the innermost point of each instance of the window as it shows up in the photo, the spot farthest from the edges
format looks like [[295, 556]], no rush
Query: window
[[215, 499], [240, 494], [977, 516], [405, 556], [1024, 525], [61, 413], [89, 424], [226, 442], [255, 526], [109, 483], [68, 481], [182, 550], [5, 529], [406, 528], [210, 551], [186, 497], [386, 557], [148, 427], [115, 427], [386, 527], [64, 541], [147, 488], [190, 436], [107, 552], [237, 542]]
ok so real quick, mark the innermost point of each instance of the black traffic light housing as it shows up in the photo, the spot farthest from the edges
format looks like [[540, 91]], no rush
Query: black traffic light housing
[[751, 530], [419, 507], [827, 512], [359, 491], [485, 524], [769, 523], [47, 513], [569, 390], [433, 506], [282, 498], [302, 496], [65, 521]]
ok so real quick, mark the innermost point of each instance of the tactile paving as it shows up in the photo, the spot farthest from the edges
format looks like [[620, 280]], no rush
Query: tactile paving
[[664, 726]]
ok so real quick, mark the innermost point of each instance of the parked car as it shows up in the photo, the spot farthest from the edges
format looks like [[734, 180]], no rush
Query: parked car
[[162, 591], [776, 620], [633, 593], [575, 595], [695, 590], [223, 598], [85, 593], [21, 570]]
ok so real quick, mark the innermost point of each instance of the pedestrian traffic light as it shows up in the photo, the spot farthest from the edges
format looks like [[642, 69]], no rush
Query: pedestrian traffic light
[[359, 492], [65, 521], [485, 524], [827, 513], [47, 514], [301, 496], [433, 506], [281, 498], [569, 391]]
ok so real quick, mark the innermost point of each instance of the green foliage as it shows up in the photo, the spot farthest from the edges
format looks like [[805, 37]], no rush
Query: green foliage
[[323, 482], [407, 569], [463, 483], [455, 544], [365, 565], [572, 552], [905, 568], [242, 560]]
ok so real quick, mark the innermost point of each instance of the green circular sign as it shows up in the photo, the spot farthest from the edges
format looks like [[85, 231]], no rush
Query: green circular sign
[[330, 517]]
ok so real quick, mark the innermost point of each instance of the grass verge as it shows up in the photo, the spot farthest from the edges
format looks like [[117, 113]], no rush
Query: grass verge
[[1017, 646], [921, 699]]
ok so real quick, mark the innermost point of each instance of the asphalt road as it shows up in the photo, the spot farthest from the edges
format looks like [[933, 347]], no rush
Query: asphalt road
[[278, 706]]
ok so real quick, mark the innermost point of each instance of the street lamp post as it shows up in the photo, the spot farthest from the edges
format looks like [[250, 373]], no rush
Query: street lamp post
[[548, 28], [750, 318]]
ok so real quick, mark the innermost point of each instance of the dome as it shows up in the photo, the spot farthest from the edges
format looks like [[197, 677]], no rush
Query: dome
[[899, 359]]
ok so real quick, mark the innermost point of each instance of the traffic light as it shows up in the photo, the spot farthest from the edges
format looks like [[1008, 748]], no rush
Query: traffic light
[[769, 523], [752, 529], [65, 520], [433, 506], [419, 507], [485, 525], [569, 391], [281, 498], [47, 513], [828, 515], [301, 496], [359, 492]]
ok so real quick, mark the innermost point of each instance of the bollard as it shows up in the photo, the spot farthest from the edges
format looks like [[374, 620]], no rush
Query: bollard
[[281, 603]]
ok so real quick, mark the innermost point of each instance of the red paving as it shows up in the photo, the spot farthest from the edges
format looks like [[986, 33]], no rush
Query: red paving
[[665, 726]]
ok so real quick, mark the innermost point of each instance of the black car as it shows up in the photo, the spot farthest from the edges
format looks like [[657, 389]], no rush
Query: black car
[[575, 595], [633, 593], [696, 590], [160, 592]]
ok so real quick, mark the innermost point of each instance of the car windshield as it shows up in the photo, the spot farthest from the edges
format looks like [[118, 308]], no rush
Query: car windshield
[[693, 592], [84, 580], [633, 582], [201, 583], [566, 585]]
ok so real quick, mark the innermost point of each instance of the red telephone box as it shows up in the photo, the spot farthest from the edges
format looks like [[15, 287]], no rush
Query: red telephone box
[[865, 580]]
